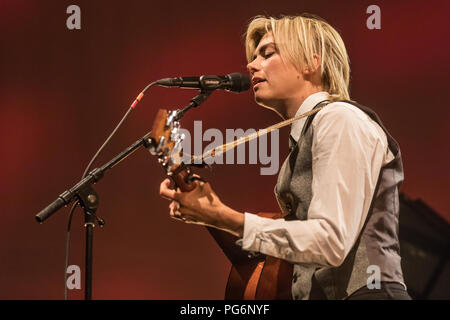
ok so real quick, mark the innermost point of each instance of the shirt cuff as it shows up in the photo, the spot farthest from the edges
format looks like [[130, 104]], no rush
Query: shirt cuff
[[251, 240], [257, 239]]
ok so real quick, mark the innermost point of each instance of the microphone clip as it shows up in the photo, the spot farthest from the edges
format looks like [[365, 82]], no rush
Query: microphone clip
[[195, 102]]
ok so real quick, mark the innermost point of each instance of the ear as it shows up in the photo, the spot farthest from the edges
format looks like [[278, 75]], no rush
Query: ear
[[309, 70]]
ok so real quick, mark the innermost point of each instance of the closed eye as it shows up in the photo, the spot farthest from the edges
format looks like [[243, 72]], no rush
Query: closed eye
[[268, 55], [269, 47]]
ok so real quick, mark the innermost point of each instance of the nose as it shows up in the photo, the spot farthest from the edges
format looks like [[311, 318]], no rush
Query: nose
[[253, 66]]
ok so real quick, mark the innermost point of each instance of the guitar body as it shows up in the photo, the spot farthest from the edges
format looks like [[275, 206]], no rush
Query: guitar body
[[259, 278], [267, 279]]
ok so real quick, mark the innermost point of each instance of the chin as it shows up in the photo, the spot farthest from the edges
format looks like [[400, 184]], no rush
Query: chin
[[262, 99]]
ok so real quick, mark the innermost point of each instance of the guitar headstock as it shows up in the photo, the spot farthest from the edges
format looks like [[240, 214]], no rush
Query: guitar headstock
[[166, 140]]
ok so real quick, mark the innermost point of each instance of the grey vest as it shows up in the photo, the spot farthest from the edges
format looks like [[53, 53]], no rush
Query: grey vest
[[377, 243]]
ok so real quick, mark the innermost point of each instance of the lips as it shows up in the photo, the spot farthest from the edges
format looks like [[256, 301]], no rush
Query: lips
[[256, 80]]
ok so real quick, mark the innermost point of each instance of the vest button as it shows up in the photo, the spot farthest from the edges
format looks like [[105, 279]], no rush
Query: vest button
[[289, 208], [289, 199]]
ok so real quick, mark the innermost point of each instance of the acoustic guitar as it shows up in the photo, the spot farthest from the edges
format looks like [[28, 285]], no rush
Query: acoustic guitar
[[260, 277]]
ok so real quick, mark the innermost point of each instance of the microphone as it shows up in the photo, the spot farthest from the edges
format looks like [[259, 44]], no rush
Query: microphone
[[235, 82]]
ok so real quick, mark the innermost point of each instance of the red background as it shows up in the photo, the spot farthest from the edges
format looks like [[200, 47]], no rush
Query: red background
[[63, 91]]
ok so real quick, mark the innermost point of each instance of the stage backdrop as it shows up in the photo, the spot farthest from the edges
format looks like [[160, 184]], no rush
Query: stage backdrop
[[62, 92]]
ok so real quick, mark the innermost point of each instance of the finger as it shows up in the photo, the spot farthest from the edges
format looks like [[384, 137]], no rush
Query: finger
[[199, 182], [171, 212], [179, 211], [175, 205], [165, 191], [177, 215]]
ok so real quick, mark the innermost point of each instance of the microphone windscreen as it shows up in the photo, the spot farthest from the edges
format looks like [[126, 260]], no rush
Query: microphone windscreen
[[239, 82]]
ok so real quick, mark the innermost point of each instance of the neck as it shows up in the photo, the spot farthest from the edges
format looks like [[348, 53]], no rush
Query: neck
[[290, 107]]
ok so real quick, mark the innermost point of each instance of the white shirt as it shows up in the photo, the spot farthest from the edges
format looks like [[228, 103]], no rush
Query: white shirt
[[348, 151]]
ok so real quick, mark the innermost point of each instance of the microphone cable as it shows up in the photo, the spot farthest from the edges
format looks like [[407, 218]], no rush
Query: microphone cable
[[76, 203]]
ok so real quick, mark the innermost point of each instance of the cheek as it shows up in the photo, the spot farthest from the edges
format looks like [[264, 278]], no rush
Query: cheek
[[278, 73], [274, 76], [272, 68]]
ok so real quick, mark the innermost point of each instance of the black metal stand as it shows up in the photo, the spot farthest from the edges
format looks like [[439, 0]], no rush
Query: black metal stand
[[88, 198], [93, 177], [89, 201]]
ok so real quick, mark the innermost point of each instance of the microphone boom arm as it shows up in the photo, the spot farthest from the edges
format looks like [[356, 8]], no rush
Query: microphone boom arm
[[93, 177]]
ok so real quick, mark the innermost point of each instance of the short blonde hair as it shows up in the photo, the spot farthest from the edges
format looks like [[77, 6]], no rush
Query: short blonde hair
[[298, 38]]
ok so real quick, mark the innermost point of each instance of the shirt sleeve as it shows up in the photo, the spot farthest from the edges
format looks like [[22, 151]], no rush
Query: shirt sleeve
[[348, 152]]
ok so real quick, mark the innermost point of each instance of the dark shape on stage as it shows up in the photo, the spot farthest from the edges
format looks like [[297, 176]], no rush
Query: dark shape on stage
[[425, 250]]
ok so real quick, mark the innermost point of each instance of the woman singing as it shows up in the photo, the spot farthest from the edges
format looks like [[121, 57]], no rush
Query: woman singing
[[338, 187]]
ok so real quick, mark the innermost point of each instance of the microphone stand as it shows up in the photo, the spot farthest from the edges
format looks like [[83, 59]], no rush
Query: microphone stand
[[89, 199]]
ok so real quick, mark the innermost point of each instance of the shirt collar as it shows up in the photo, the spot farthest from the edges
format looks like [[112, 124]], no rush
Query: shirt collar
[[307, 105]]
